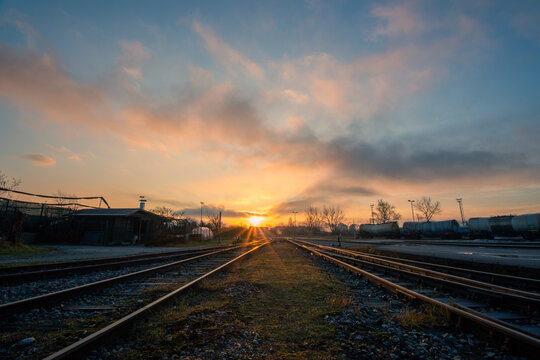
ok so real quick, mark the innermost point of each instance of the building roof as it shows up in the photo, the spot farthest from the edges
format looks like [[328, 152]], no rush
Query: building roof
[[112, 212]]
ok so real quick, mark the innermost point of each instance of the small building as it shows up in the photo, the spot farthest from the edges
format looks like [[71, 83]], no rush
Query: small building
[[203, 233], [116, 226]]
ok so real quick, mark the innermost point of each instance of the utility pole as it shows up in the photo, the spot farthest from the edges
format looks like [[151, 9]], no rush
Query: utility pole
[[295, 212], [219, 229], [372, 216], [460, 202], [202, 203], [412, 209]]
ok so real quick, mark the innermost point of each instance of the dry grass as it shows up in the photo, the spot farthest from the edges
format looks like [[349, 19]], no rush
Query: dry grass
[[429, 315]]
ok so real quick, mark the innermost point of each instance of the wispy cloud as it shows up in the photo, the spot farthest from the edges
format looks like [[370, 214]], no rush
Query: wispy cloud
[[230, 57], [398, 20], [19, 21], [39, 159]]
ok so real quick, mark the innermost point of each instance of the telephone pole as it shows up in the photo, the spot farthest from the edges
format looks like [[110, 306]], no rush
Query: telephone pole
[[202, 203], [372, 216]]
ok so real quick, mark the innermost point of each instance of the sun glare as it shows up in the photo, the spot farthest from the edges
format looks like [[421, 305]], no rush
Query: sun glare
[[255, 220]]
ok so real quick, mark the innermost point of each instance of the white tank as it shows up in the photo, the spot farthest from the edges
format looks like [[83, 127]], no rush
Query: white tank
[[479, 224], [524, 223]]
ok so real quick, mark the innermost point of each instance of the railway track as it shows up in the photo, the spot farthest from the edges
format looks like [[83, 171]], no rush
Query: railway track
[[20, 274], [517, 282], [116, 303], [509, 316]]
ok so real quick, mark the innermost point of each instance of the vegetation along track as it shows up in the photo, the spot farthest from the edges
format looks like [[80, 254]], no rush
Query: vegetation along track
[[509, 316], [121, 302]]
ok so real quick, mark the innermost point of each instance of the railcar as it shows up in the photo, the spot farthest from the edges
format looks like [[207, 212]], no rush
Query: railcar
[[390, 230], [446, 229], [527, 225]]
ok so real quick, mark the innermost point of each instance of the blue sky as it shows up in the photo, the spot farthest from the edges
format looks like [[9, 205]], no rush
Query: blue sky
[[271, 106]]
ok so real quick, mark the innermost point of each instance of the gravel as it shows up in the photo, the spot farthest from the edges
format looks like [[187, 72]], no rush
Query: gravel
[[111, 302], [39, 287], [371, 321]]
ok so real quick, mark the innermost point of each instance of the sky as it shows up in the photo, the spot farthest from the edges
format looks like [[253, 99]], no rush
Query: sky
[[268, 107]]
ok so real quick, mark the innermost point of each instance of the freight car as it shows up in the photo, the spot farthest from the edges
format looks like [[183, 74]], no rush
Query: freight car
[[527, 226], [447, 229], [389, 230]]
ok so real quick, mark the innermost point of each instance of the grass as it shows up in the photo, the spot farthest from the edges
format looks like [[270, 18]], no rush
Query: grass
[[427, 316], [19, 249], [278, 294]]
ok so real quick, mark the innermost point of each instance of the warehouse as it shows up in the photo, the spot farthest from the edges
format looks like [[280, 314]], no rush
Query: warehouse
[[116, 226]]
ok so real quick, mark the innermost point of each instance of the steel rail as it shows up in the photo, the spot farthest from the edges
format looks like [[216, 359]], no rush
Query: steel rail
[[83, 346], [516, 302], [66, 264], [535, 298], [17, 278], [8, 309], [492, 277], [524, 343]]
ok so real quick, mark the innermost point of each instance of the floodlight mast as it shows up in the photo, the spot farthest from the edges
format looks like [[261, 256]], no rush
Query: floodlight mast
[[412, 208], [460, 202]]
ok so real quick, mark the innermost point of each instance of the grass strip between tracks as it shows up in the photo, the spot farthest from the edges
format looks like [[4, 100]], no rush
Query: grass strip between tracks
[[276, 299]]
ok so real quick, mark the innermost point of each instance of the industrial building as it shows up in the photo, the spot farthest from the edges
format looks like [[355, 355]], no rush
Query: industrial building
[[108, 226]]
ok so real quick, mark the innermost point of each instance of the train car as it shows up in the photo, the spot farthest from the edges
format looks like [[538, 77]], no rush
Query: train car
[[389, 230], [479, 228], [412, 230], [446, 229], [502, 225], [527, 225]]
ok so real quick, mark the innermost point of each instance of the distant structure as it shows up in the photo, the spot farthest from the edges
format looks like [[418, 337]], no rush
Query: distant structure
[[142, 202], [342, 227], [204, 233]]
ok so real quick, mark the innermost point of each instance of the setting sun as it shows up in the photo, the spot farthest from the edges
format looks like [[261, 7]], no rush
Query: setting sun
[[255, 220]]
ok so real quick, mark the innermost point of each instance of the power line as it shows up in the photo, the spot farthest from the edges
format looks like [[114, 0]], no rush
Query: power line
[[59, 197]]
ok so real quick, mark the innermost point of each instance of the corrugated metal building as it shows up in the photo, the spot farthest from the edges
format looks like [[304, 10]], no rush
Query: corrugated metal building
[[108, 226]]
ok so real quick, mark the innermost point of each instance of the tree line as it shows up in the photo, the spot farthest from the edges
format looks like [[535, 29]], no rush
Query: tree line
[[330, 216]]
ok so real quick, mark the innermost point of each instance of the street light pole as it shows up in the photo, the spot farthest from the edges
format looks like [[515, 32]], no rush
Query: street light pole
[[460, 202], [372, 217], [412, 209], [202, 203]]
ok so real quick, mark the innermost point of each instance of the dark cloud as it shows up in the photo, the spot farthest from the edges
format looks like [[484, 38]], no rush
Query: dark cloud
[[329, 188], [300, 204], [212, 209], [395, 160]]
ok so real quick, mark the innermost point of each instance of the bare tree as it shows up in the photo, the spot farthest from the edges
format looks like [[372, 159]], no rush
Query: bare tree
[[215, 221], [428, 207], [313, 218], [332, 216], [163, 211], [8, 183], [386, 212], [179, 214], [66, 203]]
